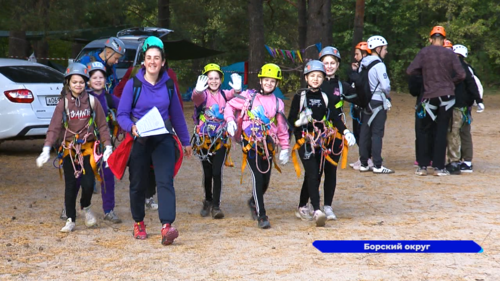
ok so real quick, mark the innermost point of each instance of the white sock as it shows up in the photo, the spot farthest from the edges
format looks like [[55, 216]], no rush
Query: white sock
[[469, 163]]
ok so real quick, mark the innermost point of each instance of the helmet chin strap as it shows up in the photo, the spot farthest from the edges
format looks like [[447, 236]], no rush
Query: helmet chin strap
[[263, 93]]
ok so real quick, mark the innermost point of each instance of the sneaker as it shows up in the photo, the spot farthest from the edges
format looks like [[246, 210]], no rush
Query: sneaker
[[370, 163], [382, 170], [63, 214], [329, 213], [264, 223], [217, 213], [151, 204], [303, 213], [364, 168], [453, 168], [253, 209], [205, 210], [421, 171], [70, 225], [112, 217], [168, 234], [464, 168], [319, 217], [140, 230], [90, 220], [356, 165], [441, 172]]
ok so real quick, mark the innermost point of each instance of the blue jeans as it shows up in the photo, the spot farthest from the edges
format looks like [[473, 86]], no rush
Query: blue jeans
[[161, 150]]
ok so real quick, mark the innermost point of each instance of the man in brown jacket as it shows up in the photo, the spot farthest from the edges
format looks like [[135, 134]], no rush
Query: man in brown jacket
[[441, 70]]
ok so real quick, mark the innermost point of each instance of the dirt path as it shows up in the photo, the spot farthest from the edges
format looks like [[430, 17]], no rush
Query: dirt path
[[398, 206]]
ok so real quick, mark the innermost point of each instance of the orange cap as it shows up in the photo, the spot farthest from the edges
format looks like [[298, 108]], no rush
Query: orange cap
[[447, 44], [363, 46], [438, 30]]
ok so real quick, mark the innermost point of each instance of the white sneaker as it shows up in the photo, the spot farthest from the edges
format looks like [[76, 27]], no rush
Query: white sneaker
[[151, 204], [303, 213], [90, 219], [319, 217], [329, 213], [364, 168], [382, 170], [356, 165], [70, 225]]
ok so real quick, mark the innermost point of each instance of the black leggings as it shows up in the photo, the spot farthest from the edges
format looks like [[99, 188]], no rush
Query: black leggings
[[260, 180], [71, 187], [312, 178], [212, 175]]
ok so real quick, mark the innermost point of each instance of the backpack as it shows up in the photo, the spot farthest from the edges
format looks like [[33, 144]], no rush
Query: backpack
[[200, 110], [362, 85], [478, 83]]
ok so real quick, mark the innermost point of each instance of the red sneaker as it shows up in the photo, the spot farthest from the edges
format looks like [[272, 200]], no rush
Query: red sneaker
[[140, 230], [168, 234]]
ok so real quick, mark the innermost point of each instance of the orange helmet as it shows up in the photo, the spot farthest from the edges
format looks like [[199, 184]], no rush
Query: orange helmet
[[447, 44], [363, 46], [438, 30]]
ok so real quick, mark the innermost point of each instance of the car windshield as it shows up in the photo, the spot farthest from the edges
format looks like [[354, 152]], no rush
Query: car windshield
[[125, 61], [31, 74]]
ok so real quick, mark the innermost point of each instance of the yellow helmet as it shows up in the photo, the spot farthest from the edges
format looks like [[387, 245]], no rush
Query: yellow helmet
[[270, 70], [213, 67]]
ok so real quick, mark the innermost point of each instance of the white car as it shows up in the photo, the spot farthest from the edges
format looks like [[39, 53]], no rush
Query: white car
[[29, 93]]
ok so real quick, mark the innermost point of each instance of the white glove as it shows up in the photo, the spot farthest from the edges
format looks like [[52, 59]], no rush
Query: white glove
[[231, 128], [107, 153], [236, 82], [480, 107], [44, 156], [351, 140], [387, 104], [304, 117], [284, 156], [202, 83]]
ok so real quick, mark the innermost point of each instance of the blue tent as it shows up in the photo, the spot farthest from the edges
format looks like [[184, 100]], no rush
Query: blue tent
[[239, 68]]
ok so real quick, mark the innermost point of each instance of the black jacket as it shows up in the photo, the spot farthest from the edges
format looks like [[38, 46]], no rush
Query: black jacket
[[314, 100], [466, 92]]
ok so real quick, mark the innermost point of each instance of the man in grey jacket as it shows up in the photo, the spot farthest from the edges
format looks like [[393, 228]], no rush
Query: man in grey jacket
[[374, 117]]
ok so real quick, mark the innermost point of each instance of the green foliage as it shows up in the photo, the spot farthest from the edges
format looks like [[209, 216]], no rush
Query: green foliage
[[223, 25]]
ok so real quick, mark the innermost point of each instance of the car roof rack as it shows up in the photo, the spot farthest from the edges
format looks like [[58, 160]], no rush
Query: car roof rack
[[144, 31]]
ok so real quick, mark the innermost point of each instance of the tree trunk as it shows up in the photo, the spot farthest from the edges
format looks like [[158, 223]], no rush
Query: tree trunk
[[256, 41], [327, 24], [164, 13], [358, 24], [314, 27], [302, 9], [18, 44]]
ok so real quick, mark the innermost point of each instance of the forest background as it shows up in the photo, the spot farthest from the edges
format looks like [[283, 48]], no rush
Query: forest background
[[241, 28]]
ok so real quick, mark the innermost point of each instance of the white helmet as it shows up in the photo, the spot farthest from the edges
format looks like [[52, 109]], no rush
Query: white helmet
[[461, 50], [376, 41]]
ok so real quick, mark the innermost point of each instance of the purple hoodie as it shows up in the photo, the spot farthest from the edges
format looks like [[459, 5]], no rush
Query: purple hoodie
[[151, 96]]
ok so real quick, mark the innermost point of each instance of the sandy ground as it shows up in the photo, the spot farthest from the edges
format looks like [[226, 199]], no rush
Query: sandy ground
[[398, 206]]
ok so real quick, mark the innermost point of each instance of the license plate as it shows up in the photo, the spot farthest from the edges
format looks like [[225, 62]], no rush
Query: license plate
[[51, 101]]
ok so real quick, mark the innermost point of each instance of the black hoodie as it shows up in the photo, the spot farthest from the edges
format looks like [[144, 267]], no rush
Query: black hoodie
[[466, 92]]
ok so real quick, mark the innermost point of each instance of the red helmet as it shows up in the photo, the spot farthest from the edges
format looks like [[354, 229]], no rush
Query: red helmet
[[447, 44], [438, 30], [364, 47]]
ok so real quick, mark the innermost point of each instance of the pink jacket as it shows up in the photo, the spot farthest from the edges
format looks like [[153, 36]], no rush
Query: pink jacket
[[269, 104], [199, 98]]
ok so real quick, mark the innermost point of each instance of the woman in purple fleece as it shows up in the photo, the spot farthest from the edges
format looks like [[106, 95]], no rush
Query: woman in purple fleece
[[97, 72], [158, 148]]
